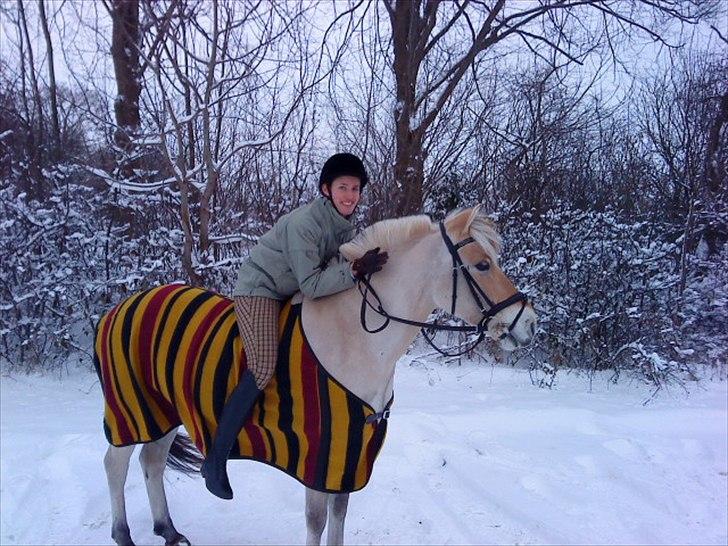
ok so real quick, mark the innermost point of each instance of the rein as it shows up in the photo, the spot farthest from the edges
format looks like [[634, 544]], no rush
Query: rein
[[480, 297]]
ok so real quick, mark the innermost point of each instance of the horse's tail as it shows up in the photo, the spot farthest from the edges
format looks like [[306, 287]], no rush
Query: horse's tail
[[184, 456]]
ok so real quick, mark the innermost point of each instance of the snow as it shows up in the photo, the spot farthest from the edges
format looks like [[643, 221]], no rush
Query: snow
[[474, 454]]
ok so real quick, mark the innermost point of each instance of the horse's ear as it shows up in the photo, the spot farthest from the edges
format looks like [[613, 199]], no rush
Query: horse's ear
[[460, 223]]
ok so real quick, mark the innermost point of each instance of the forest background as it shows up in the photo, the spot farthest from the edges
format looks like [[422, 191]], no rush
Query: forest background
[[145, 142]]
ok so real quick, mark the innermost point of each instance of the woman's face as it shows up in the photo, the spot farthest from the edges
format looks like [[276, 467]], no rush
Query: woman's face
[[345, 194]]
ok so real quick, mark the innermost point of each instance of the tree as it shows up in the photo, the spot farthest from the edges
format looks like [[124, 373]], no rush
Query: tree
[[452, 37], [125, 46]]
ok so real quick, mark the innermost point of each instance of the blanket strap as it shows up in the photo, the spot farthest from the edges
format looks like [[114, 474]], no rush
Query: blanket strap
[[376, 417]]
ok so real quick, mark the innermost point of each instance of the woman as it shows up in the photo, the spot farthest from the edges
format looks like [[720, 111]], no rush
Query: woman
[[300, 252]]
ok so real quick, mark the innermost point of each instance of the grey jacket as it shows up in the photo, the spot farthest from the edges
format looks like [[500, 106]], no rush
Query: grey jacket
[[300, 252]]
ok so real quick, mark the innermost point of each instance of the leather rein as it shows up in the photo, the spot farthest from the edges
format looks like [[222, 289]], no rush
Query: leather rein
[[487, 308]]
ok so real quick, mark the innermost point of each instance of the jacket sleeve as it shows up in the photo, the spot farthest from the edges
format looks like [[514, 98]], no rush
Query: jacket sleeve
[[314, 278]]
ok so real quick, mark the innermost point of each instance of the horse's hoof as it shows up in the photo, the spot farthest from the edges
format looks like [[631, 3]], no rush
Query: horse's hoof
[[179, 540]]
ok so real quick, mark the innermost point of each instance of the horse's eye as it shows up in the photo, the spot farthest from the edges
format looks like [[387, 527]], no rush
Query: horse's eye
[[483, 266]]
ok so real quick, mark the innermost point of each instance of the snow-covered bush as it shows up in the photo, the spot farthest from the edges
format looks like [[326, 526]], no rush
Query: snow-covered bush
[[606, 292], [67, 260]]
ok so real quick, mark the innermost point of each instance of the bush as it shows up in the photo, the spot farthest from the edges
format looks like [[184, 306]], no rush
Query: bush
[[606, 292]]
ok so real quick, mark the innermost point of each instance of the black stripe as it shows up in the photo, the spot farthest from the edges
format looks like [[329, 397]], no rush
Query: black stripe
[[354, 442], [97, 367], [285, 408], [97, 357], [222, 373], [113, 366], [378, 440], [322, 464], [261, 425], [154, 431], [169, 303], [204, 354], [107, 432], [180, 331]]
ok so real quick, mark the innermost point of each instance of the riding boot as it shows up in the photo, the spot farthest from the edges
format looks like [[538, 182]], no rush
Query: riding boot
[[233, 418]]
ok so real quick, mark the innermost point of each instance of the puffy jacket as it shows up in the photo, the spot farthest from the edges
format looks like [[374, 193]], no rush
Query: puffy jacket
[[300, 252]]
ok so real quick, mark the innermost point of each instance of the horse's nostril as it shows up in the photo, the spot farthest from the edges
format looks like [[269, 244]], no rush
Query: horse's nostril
[[533, 329]]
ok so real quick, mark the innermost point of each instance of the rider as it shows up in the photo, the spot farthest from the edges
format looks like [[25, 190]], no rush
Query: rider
[[300, 252]]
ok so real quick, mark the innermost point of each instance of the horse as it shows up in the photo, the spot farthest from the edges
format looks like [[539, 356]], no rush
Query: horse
[[451, 265]]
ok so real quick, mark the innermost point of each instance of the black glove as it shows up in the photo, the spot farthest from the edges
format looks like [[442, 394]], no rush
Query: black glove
[[371, 262]]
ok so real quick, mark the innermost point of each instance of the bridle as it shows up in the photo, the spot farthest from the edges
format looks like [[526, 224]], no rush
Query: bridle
[[487, 308]]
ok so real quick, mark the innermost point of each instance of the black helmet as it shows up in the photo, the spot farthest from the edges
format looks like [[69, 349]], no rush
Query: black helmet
[[343, 165]]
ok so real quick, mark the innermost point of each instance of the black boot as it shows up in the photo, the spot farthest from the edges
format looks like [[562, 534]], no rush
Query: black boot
[[233, 418]]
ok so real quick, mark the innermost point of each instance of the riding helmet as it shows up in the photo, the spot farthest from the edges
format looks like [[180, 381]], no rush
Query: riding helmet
[[343, 165]]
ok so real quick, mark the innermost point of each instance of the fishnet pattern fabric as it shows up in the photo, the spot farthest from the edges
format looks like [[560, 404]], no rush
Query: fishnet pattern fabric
[[258, 323]]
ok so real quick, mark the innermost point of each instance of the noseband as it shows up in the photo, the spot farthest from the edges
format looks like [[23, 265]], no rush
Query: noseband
[[488, 309]]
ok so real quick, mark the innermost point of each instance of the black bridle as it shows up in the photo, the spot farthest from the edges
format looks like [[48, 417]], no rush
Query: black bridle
[[487, 308]]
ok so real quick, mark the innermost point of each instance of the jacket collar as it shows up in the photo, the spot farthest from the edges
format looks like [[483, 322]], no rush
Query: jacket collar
[[339, 222]]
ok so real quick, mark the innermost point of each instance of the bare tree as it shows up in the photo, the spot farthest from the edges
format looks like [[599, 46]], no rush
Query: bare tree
[[453, 36], [221, 88]]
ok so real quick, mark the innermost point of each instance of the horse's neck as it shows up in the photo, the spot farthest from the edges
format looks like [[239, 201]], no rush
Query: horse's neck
[[362, 362]]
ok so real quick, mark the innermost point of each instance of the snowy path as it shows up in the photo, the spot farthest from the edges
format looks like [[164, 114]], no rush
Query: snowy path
[[474, 455]]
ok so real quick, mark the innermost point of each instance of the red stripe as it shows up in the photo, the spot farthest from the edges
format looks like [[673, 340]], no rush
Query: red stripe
[[311, 411], [146, 340], [192, 355], [113, 403], [256, 437], [253, 430]]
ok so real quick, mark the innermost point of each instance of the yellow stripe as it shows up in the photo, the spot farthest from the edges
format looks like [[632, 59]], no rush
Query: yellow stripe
[[108, 414], [361, 468], [136, 365], [168, 330], [123, 372], [158, 364], [272, 385], [212, 357], [208, 374], [297, 396], [339, 435], [180, 365], [272, 403]]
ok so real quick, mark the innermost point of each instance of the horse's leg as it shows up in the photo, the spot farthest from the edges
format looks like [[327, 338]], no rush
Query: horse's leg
[[337, 515], [153, 459], [316, 511], [116, 463]]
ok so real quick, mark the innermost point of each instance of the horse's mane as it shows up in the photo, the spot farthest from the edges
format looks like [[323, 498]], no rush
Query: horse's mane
[[483, 230], [389, 234]]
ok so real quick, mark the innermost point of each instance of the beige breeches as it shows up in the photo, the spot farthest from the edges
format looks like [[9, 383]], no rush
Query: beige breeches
[[258, 323]]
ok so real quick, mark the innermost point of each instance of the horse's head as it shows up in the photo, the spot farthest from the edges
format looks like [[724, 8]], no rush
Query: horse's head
[[467, 243], [484, 294]]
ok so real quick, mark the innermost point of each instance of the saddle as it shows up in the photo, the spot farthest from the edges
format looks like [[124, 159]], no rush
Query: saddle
[[172, 355]]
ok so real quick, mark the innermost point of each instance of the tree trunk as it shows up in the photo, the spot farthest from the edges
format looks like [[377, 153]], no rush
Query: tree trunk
[[127, 71], [210, 164], [409, 172], [37, 139], [409, 155], [52, 81]]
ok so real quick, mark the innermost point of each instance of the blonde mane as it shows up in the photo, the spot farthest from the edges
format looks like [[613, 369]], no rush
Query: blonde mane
[[483, 229], [387, 235], [390, 234]]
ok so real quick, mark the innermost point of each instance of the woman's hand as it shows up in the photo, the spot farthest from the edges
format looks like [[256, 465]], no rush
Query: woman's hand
[[371, 262]]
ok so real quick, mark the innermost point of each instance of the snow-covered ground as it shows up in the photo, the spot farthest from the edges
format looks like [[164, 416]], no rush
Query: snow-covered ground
[[474, 455]]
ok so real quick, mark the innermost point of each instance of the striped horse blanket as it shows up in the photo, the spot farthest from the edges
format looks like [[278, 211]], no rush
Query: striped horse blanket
[[173, 354]]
